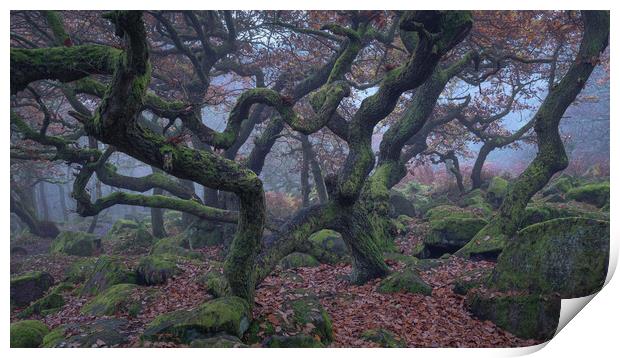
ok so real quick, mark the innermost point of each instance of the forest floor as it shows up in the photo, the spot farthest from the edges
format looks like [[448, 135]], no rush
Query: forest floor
[[439, 320]]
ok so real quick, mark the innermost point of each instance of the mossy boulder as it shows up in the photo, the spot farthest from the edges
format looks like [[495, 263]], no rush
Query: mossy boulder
[[595, 194], [215, 283], [560, 186], [129, 238], [406, 281], [157, 269], [230, 315], [497, 190], [76, 243], [107, 272], [449, 211], [102, 332], [566, 256], [528, 316], [296, 341], [327, 246], [383, 337], [400, 205], [298, 259], [486, 245], [219, 341], [310, 317], [449, 234], [471, 279], [27, 334], [474, 197], [50, 303], [118, 299], [80, 270], [202, 234], [29, 286], [173, 246]]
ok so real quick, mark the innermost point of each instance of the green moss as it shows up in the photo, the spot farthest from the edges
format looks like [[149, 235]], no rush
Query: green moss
[[157, 269], [327, 246], [172, 246], [307, 310], [27, 334], [216, 284], [383, 338], [488, 243], [129, 237], [567, 256], [406, 281], [117, 299], [53, 338], [448, 211], [526, 316], [43, 306], [595, 194], [229, 315], [75, 243], [498, 187], [298, 259], [220, 341], [108, 271], [539, 212], [450, 234]]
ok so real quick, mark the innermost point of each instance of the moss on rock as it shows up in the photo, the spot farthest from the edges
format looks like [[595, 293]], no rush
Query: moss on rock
[[595, 194], [406, 281], [102, 332], [308, 312], [449, 211], [400, 205], [449, 234], [173, 246], [156, 269], [296, 341], [48, 304], [327, 246], [528, 316], [118, 299], [229, 315], [539, 212], [298, 259], [383, 337], [215, 283], [219, 341], [107, 272], [76, 243], [29, 286], [568, 256], [27, 334], [498, 187], [80, 270]]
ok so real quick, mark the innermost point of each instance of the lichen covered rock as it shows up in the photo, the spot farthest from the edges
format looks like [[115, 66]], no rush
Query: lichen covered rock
[[406, 281], [27, 334], [118, 299], [298, 259], [107, 272], [539, 212], [528, 316], [80, 270], [567, 256], [76, 243], [156, 269], [230, 315], [449, 234], [30, 286]]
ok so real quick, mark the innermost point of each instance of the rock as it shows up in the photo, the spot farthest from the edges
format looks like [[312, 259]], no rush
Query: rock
[[219, 341], [449, 234], [118, 299], [229, 315], [298, 259], [29, 287], [474, 197], [383, 338], [129, 237], [566, 256], [471, 279], [27, 334], [202, 234], [400, 205], [497, 190], [48, 304], [216, 284], [560, 186], [108, 271], [172, 246], [328, 247], [595, 194], [296, 341], [156, 269], [102, 332], [529, 316], [76, 243], [406, 281], [311, 317], [80, 270]]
